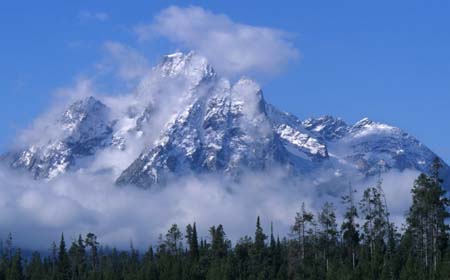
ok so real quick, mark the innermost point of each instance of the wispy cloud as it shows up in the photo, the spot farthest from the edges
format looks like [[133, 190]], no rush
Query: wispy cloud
[[93, 16], [232, 47], [128, 63]]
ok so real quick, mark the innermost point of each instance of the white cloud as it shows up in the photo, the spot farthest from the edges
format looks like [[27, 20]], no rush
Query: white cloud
[[83, 202], [129, 63], [232, 47], [93, 16]]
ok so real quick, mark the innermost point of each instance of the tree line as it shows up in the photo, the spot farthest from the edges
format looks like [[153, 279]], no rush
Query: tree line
[[366, 245]]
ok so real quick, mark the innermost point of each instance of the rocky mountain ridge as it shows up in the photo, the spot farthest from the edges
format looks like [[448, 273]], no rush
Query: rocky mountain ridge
[[214, 126]]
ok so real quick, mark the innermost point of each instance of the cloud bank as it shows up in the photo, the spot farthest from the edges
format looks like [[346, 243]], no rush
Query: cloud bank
[[82, 202], [234, 48]]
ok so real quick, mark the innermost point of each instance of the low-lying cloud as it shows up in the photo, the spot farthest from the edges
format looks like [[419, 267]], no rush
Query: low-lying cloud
[[234, 48], [82, 202]]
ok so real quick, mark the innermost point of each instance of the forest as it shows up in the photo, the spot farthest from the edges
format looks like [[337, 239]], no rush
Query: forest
[[366, 245]]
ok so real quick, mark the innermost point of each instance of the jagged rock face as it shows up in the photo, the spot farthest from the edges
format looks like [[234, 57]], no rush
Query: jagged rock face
[[327, 127], [214, 126], [295, 137], [84, 128], [225, 131]]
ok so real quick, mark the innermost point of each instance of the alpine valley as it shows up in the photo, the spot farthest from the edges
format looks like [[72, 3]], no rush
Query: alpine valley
[[184, 119]]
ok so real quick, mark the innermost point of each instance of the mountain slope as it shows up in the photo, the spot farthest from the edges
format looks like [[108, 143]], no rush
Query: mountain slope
[[82, 130], [193, 122]]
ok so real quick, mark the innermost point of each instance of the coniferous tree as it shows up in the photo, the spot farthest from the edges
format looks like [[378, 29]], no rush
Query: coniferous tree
[[301, 230], [192, 240], [328, 233], [173, 240], [149, 269], [260, 238], [77, 254], [350, 234], [258, 253], [375, 229], [274, 255], [63, 263], [426, 221], [9, 247], [91, 243], [16, 270], [35, 269], [53, 260], [219, 244]]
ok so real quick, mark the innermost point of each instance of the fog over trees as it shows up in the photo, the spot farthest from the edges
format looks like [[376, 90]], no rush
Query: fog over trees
[[366, 245]]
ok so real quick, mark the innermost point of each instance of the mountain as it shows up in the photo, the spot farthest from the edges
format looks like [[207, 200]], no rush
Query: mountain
[[81, 130], [190, 121]]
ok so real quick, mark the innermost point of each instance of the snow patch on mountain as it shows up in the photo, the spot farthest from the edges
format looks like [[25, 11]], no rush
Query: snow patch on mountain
[[82, 129], [184, 120]]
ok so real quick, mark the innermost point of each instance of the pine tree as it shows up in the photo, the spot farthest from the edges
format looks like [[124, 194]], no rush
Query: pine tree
[[16, 270], [328, 233], [91, 243], [173, 240], [35, 269], [301, 230], [63, 263], [375, 228], [426, 220], [260, 238], [77, 255], [52, 261], [219, 244], [9, 247], [192, 240], [274, 255], [350, 234], [260, 269], [149, 269]]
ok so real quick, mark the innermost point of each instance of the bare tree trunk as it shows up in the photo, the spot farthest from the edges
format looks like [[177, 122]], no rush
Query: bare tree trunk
[[353, 259]]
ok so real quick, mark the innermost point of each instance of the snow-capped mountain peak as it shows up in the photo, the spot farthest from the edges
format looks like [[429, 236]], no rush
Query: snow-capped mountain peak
[[366, 127], [327, 127], [85, 119], [84, 127], [191, 121], [192, 66]]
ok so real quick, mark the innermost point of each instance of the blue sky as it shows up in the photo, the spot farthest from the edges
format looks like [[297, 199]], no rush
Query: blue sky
[[388, 60]]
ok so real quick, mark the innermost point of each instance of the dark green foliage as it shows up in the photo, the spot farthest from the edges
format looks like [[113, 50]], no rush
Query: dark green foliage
[[192, 241], [63, 263], [15, 271], [426, 237], [316, 249]]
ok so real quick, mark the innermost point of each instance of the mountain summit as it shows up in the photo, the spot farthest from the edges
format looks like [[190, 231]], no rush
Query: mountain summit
[[190, 121]]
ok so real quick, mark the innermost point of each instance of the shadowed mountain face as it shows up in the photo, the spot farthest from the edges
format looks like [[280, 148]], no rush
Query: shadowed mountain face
[[190, 121]]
